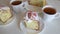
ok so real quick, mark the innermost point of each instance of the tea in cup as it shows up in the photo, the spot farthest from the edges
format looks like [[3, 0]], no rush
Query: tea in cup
[[17, 5], [50, 13]]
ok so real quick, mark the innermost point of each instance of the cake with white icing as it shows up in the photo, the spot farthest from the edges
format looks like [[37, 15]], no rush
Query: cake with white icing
[[32, 20]]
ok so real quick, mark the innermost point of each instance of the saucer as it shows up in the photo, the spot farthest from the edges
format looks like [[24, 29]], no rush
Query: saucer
[[30, 31]]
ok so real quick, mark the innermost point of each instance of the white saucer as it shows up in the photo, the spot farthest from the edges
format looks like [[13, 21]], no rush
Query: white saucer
[[29, 31]]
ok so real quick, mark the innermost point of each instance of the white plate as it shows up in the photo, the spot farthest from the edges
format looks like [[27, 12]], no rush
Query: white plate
[[29, 31]]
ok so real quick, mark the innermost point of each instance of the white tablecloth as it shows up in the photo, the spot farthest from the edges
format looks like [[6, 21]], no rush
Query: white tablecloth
[[50, 28]]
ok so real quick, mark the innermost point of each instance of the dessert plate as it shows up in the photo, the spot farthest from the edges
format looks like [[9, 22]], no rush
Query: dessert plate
[[29, 31]]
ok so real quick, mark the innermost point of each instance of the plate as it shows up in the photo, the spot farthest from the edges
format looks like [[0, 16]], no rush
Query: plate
[[29, 31]]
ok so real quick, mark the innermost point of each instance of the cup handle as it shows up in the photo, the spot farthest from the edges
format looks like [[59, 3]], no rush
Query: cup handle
[[12, 1], [57, 15]]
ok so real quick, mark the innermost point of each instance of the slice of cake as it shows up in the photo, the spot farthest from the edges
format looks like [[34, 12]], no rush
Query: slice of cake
[[5, 14], [39, 3], [32, 24]]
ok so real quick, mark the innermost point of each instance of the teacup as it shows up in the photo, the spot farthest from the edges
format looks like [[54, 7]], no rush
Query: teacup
[[50, 13], [17, 5]]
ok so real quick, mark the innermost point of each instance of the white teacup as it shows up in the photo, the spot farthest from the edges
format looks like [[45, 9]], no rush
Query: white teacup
[[17, 5], [50, 16]]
